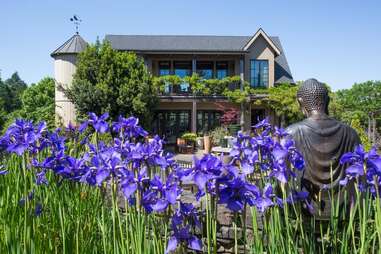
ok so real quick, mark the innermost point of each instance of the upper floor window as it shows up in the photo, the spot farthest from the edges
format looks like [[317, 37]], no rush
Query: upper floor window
[[164, 68], [221, 70], [204, 69], [183, 69], [259, 73]]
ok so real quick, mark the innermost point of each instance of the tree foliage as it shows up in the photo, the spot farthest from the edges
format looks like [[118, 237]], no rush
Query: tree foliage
[[360, 100], [38, 102], [11, 91], [356, 125], [281, 99], [228, 86], [112, 81]]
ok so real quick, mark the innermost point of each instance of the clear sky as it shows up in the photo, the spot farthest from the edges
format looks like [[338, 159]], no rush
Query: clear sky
[[338, 42]]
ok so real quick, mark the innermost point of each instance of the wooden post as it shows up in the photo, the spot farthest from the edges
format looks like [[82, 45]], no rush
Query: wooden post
[[194, 116], [241, 72], [194, 65]]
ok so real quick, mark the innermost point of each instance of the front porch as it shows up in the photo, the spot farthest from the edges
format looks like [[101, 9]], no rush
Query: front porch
[[177, 115]]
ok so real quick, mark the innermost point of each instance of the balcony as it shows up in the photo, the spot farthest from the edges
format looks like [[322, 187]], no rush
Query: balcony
[[173, 85]]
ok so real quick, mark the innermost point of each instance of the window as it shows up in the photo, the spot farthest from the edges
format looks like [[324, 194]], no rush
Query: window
[[207, 120], [183, 69], [165, 69], [204, 69], [222, 70], [259, 73], [171, 124]]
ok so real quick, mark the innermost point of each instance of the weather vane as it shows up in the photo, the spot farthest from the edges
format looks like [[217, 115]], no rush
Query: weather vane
[[76, 21]]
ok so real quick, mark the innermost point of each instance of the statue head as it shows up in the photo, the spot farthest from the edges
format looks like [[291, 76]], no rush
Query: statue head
[[313, 98]]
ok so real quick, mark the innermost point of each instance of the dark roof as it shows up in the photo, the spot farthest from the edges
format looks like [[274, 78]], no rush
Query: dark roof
[[282, 70], [74, 45], [178, 42], [198, 43]]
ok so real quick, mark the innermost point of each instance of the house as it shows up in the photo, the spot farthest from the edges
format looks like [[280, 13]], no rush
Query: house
[[258, 59]]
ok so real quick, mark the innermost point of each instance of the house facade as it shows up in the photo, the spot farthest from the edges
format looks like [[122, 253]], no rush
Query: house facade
[[258, 59]]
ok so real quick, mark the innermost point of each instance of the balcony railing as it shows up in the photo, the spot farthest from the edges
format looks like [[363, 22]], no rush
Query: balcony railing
[[195, 85]]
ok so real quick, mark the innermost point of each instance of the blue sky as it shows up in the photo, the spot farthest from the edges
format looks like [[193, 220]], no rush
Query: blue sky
[[338, 42]]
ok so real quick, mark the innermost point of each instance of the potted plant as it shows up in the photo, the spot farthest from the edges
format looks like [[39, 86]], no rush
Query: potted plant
[[219, 136], [190, 141]]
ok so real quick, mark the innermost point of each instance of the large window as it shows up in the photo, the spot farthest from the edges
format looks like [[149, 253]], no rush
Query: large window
[[165, 69], [171, 124], [207, 120], [221, 70], [205, 69], [183, 69], [259, 73]]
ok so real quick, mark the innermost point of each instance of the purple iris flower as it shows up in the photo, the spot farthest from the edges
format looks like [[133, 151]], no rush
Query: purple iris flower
[[208, 168], [182, 235], [99, 123], [38, 209], [262, 124], [70, 128], [160, 195], [236, 192], [3, 172], [280, 132], [129, 127], [264, 201], [364, 166], [351, 157], [41, 178], [185, 216], [22, 135]]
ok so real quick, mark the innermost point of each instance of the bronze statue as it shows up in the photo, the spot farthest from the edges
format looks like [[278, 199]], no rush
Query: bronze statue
[[322, 140]]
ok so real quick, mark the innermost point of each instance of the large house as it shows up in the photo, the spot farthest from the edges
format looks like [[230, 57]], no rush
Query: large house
[[258, 59]]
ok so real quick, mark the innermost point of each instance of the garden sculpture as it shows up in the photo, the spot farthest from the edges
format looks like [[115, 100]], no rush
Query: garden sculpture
[[322, 141]]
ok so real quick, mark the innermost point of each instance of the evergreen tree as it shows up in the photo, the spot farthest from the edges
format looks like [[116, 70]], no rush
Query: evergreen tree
[[112, 81]]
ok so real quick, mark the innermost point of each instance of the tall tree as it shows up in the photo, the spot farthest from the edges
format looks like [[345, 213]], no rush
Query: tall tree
[[11, 91], [359, 101], [112, 81], [15, 86], [38, 102]]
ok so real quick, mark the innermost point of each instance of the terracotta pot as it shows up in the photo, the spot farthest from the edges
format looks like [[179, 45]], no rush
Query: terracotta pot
[[207, 144]]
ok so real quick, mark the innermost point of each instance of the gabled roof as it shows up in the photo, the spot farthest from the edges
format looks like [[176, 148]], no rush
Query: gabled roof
[[74, 45], [282, 69], [262, 33], [202, 43], [187, 43]]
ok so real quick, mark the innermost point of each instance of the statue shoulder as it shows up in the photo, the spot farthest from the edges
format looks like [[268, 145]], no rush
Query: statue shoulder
[[295, 128], [352, 133]]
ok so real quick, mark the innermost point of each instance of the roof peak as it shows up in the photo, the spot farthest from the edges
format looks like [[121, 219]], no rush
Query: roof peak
[[180, 35], [74, 45]]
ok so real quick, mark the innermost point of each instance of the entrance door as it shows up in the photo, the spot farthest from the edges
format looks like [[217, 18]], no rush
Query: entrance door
[[171, 124]]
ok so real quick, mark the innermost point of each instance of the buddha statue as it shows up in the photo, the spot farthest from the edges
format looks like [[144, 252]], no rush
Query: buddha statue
[[322, 141]]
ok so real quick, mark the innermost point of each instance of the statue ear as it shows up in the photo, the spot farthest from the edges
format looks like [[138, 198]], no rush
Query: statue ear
[[300, 101], [303, 109]]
